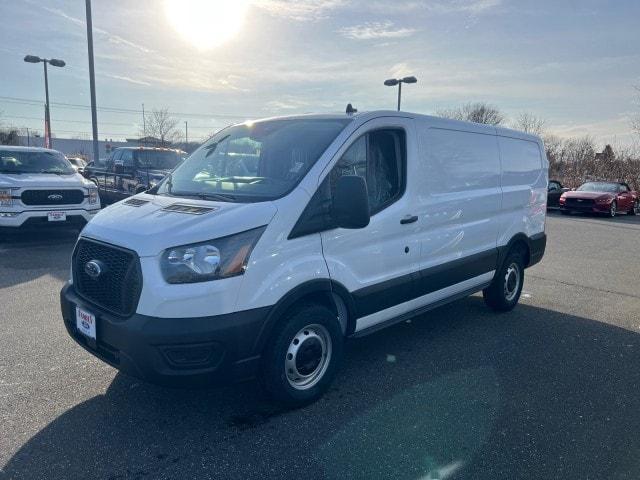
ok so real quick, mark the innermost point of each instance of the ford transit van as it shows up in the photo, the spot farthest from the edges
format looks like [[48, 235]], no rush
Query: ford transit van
[[278, 239]]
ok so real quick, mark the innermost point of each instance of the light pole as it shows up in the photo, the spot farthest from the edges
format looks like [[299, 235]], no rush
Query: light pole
[[92, 82], [392, 82], [55, 63]]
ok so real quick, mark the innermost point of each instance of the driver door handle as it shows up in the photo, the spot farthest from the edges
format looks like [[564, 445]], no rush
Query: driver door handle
[[409, 219]]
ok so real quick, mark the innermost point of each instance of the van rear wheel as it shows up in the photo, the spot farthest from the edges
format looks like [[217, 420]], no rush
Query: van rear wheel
[[303, 355], [504, 292]]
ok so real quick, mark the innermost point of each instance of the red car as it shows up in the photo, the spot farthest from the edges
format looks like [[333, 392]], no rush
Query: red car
[[608, 198]]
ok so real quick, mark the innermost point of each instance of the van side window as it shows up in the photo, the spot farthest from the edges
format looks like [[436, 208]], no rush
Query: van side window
[[378, 157]]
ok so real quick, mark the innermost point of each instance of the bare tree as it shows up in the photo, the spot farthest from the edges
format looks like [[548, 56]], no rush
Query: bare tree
[[478, 112], [529, 123], [9, 136], [161, 125]]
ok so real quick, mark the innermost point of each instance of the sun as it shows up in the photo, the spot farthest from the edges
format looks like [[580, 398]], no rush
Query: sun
[[206, 23]]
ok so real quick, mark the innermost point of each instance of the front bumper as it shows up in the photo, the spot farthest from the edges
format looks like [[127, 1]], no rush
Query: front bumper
[[38, 218], [177, 352], [588, 208]]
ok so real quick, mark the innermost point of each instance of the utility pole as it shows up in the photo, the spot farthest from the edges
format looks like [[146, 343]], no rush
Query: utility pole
[[144, 127], [92, 83], [186, 133]]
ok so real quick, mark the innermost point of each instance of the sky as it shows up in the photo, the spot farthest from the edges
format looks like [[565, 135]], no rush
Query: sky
[[572, 62]]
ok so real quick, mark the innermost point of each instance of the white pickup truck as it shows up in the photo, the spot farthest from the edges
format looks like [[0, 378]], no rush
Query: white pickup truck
[[39, 187]]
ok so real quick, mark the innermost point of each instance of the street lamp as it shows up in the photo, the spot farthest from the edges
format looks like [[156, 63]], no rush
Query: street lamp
[[55, 63], [392, 82]]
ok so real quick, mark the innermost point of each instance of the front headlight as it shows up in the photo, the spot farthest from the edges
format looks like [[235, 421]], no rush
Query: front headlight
[[5, 197], [93, 195], [202, 262]]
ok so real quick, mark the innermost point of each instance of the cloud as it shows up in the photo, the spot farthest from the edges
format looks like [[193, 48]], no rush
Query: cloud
[[375, 31], [300, 10], [400, 70], [473, 7], [129, 79], [115, 39]]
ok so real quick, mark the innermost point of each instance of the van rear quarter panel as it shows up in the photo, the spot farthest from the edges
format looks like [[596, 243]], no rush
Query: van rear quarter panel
[[524, 185]]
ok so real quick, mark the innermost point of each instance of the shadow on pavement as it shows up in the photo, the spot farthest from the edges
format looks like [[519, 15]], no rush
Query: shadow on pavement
[[25, 256], [458, 393]]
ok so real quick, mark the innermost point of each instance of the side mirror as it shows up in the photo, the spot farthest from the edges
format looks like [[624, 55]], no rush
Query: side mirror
[[351, 202], [118, 168]]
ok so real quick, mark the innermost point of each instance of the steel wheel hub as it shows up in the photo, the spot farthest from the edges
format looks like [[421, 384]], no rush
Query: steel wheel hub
[[511, 282], [308, 357]]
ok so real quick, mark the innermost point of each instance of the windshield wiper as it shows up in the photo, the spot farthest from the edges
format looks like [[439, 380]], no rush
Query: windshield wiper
[[224, 197]]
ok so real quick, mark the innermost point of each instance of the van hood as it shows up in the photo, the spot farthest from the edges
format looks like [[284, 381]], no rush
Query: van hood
[[149, 228], [42, 180]]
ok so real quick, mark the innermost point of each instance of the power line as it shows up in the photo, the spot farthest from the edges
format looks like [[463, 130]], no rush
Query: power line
[[75, 106], [88, 133], [120, 124]]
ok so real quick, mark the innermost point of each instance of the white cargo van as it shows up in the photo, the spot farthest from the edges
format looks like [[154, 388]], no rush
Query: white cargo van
[[40, 187], [279, 238]]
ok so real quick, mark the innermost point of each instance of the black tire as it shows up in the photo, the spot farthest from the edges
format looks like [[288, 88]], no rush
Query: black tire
[[613, 209], [311, 323], [635, 208], [504, 292]]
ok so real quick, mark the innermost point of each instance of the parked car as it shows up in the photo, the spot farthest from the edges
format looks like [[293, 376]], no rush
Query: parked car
[[78, 164], [337, 226], [39, 187], [554, 192], [608, 198], [131, 170]]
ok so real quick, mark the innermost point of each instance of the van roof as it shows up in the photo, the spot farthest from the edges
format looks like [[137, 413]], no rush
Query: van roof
[[434, 121], [14, 148]]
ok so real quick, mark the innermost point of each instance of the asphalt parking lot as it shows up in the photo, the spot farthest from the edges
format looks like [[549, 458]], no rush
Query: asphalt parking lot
[[550, 390]]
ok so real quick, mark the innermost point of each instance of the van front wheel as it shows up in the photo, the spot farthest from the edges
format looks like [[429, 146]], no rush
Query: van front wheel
[[504, 292], [303, 356]]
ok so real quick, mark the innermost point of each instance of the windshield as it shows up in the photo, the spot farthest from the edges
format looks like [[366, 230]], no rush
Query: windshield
[[254, 162], [34, 162], [599, 187], [158, 159], [78, 162]]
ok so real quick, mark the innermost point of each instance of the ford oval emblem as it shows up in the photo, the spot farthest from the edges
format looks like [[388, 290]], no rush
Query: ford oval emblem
[[55, 197], [94, 268]]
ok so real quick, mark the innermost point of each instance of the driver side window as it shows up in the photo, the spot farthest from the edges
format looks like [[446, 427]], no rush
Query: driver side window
[[380, 158]]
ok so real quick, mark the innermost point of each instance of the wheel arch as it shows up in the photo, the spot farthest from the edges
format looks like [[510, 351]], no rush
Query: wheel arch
[[519, 240], [321, 291]]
